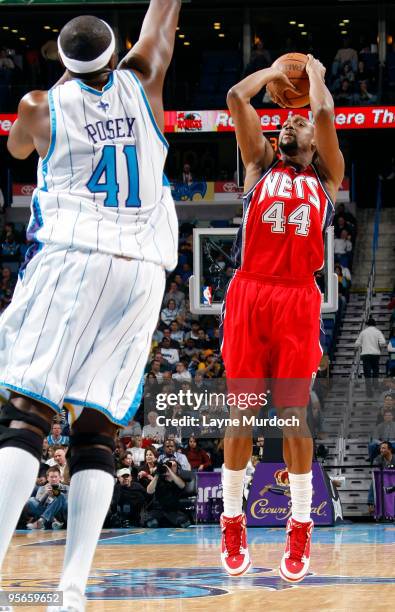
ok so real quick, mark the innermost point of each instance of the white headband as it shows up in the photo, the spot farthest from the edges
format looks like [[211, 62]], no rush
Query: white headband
[[85, 67]]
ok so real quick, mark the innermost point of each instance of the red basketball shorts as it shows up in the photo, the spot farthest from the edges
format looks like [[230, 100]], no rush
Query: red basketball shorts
[[271, 332]]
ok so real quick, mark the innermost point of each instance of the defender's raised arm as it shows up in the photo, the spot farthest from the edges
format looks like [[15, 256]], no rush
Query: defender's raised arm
[[151, 55]]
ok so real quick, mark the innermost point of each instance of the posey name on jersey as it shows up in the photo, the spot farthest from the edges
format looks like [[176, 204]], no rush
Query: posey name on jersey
[[111, 129]]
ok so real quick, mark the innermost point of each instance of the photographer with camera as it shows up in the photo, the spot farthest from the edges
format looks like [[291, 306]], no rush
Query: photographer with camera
[[49, 506], [128, 501], [167, 488]]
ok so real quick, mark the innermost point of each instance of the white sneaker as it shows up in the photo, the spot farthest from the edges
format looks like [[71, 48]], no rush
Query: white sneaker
[[73, 601]]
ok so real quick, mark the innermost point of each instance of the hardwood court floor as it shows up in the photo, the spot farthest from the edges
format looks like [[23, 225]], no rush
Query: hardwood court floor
[[177, 570]]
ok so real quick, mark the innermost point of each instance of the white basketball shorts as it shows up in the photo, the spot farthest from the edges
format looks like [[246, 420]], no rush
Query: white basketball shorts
[[78, 331]]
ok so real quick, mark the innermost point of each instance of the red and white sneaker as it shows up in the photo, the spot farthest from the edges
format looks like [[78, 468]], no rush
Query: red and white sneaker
[[296, 560], [234, 548]]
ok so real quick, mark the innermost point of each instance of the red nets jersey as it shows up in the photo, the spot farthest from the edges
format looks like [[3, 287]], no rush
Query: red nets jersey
[[285, 215]]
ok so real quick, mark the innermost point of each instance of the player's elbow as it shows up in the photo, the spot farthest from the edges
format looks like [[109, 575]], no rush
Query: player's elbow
[[18, 152], [233, 96]]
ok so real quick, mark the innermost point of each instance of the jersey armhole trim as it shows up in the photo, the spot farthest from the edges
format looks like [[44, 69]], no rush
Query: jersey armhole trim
[[52, 140], [323, 187], [149, 109], [274, 162]]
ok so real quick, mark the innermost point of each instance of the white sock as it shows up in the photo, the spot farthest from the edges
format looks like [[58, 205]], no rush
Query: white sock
[[301, 495], [233, 486], [18, 474], [88, 502]]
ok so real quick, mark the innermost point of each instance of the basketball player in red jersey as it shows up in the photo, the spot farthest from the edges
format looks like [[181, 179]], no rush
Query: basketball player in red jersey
[[271, 314]]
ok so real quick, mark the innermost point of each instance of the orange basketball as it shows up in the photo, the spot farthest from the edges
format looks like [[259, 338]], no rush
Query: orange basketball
[[294, 66]]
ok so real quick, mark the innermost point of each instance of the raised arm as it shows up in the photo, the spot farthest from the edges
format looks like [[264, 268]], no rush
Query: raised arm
[[151, 55], [331, 161], [256, 151]]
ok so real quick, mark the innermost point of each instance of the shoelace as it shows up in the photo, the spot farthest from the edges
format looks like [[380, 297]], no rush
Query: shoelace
[[298, 541], [233, 533]]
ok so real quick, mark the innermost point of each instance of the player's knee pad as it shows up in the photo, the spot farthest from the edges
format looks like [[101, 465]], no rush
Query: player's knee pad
[[84, 453], [26, 439]]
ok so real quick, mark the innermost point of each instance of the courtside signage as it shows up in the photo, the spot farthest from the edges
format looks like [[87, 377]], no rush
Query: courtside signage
[[346, 118]]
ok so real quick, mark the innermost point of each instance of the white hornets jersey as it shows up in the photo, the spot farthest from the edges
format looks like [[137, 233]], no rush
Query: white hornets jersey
[[101, 186]]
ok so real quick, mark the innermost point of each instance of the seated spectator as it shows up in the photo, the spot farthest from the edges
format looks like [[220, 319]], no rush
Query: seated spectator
[[169, 452], [203, 341], [6, 282], [169, 353], [385, 460], [361, 74], [153, 431], [341, 224], [197, 457], [386, 457], [157, 336], [387, 405], [389, 388], [342, 212], [44, 453], [136, 448], [346, 54], [10, 249], [194, 333], [346, 74], [190, 348], [157, 369], [186, 273], [363, 95], [344, 97], [199, 384], [59, 459], [133, 428], [49, 506], [211, 367], [182, 374], [167, 335], [41, 480], [391, 354], [56, 437], [169, 313], [176, 334], [384, 431], [343, 248], [151, 389], [175, 294], [214, 340], [126, 461], [128, 501], [148, 467], [167, 488]]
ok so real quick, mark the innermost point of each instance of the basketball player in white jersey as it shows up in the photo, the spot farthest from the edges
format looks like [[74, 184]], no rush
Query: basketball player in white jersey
[[104, 227]]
